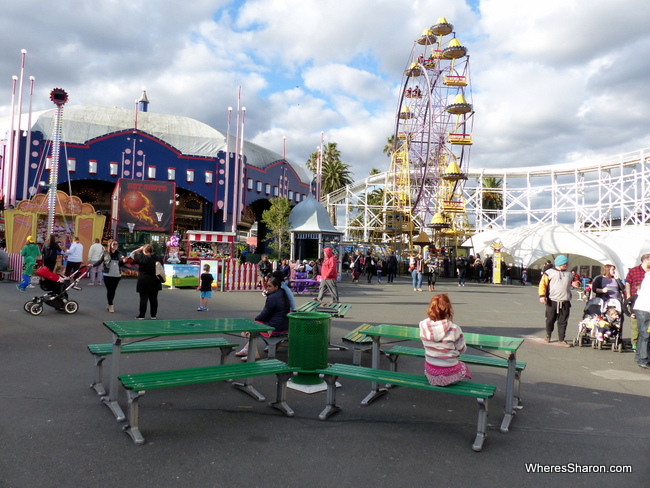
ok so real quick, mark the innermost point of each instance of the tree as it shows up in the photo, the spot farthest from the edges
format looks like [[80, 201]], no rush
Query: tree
[[330, 153], [276, 219], [335, 175], [491, 200], [390, 148]]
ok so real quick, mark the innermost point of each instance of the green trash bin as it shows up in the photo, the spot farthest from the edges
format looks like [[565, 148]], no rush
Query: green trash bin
[[308, 345]]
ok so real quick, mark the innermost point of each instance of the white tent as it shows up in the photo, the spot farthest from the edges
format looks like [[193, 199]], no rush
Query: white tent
[[628, 244], [531, 243]]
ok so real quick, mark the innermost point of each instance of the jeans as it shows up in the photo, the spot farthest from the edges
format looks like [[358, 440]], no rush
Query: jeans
[[643, 321], [96, 274], [26, 280], [416, 276]]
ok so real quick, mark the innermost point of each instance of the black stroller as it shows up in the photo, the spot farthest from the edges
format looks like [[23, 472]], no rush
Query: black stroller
[[56, 295], [601, 325]]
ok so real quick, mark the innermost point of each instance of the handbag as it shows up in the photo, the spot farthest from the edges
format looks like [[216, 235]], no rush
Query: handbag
[[160, 272]]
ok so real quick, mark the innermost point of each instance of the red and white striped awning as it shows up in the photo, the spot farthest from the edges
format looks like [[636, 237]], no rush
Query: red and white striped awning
[[206, 236]]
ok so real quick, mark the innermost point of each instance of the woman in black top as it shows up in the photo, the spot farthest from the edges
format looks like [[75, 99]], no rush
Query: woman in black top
[[51, 252], [148, 284]]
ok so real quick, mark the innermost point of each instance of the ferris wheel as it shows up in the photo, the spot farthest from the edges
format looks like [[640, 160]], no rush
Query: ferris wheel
[[433, 137]]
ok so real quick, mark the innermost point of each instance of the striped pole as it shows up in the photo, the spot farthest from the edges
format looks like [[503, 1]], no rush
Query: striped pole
[[59, 97]]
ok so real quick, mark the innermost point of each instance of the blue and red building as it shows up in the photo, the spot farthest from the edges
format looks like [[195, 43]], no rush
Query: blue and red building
[[101, 145]]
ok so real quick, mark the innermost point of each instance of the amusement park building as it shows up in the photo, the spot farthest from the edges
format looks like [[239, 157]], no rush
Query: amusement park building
[[100, 145]]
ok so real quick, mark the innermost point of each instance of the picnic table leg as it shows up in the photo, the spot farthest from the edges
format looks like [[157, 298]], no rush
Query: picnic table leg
[[510, 393], [246, 386], [375, 391], [132, 427], [331, 406], [281, 397], [482, 424], [98, 384], [111, 400]]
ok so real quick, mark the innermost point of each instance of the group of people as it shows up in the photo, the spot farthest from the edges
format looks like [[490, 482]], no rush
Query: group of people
[[418, 267], [104, 265], [633, 297]]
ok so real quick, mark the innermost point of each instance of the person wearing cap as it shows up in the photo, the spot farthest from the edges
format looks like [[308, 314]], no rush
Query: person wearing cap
[[30, 250], [555, 293]]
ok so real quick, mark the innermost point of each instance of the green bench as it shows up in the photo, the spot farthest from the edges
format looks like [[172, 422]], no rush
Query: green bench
[[101, 351], [137, 384], [395, 352], [359, 342], [336, 309], [481, 392]]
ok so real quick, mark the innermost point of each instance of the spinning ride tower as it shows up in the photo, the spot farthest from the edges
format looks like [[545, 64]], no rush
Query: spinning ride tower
[[432, 138]]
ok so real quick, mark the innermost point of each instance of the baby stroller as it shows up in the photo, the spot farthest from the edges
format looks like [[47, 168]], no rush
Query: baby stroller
[[601, 325], [56, 295]]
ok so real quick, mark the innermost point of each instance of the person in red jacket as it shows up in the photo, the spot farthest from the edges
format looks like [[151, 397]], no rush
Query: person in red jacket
[[329, 274]]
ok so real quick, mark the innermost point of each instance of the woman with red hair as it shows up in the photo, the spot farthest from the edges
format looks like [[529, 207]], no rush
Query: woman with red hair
[[443, 342]]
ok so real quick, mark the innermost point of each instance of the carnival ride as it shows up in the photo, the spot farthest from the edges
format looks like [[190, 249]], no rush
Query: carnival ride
[[433, 134]]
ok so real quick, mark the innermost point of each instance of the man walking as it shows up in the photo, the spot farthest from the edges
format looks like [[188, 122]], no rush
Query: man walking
[[328, 275], [555, 293]]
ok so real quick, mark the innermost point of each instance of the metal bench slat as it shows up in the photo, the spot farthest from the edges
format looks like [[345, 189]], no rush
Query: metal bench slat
[[465, 388], [154, 346], [467, 358], [181, 377]]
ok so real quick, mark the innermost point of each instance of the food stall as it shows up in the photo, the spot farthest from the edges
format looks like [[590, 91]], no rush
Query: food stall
[[207, 247]]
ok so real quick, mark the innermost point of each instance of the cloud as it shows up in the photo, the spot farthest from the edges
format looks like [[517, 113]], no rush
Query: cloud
[[552, 81]]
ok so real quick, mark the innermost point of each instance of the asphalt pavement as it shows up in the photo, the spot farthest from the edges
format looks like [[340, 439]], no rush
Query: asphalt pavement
[[583, 408]]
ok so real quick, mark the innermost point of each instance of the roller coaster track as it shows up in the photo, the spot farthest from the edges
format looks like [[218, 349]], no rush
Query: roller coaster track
[[595, 196]]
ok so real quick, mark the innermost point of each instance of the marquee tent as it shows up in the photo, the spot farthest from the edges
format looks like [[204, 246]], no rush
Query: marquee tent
[[531, 243]]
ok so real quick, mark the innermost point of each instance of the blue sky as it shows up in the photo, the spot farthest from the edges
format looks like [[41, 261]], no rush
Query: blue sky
[[552, 81]]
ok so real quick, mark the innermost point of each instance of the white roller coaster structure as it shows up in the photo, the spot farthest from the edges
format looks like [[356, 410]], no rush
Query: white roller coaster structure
[[593, 196]]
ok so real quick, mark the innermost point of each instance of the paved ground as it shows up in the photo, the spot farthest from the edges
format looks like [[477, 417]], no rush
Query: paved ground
[[582, 406]]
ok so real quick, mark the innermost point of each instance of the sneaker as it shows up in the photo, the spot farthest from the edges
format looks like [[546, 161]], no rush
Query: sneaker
[[19, 288], [644, 365], [205, 309], [30, 286], [154, 318], [200, 309], [565, 344], [547, 339], [139, 318], [90, 284]]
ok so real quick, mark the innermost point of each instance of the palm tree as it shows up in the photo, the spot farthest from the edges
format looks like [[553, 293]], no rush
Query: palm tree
[[491, 200], [389, 148], [336, 174], [330, 153]]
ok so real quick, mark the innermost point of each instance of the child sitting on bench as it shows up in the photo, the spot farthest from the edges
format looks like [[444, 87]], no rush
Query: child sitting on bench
[[443, 342]]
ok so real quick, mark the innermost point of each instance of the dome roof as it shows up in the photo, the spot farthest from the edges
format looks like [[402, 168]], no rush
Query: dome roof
[[83, 123], [311, 216]]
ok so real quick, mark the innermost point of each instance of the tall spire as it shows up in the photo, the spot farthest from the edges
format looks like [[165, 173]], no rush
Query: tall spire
[[143, 103]]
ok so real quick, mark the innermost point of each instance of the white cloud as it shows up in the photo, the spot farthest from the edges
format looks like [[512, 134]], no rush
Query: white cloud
[[552, 80]]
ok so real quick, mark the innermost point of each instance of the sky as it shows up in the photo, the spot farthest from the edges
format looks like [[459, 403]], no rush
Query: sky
[[552, 81]]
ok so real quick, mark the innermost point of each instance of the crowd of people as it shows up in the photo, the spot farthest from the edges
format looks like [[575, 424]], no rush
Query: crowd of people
[[617, 296]]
